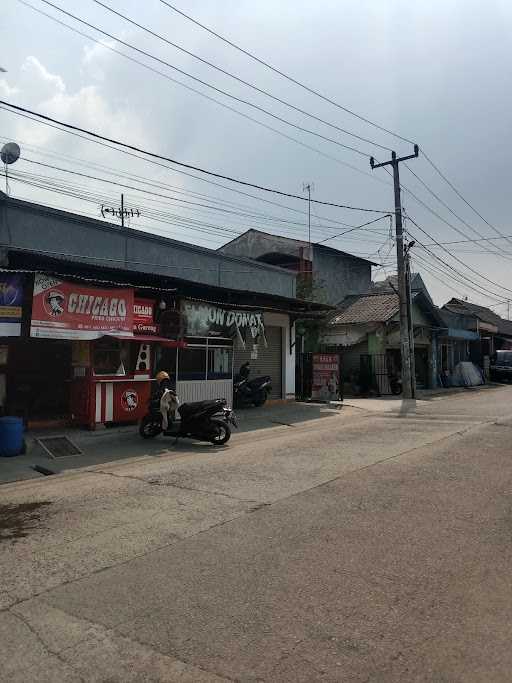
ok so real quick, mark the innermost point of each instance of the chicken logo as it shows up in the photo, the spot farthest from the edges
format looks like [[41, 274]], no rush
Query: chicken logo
[[129, 400], [54, 303]]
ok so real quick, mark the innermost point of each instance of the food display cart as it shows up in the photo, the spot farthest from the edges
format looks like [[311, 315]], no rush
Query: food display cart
[[115, 347], [112, 378]]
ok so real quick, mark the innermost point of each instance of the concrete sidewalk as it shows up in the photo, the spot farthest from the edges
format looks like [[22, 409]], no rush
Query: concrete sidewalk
[[401, 406], [119, 443]]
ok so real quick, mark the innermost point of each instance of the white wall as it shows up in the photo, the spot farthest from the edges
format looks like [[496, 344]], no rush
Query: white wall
[[288, 361]]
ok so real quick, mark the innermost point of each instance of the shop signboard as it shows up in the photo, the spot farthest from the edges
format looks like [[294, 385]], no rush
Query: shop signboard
[[208, 320], [11, 301], [326, 373], [70, 310], [143, 317]]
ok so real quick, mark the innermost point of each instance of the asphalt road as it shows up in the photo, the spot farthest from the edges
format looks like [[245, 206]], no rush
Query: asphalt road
[[356, 547]]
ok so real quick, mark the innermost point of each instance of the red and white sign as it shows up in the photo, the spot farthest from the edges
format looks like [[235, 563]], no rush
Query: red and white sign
[[143, 317], [68, 310], [129, 400]]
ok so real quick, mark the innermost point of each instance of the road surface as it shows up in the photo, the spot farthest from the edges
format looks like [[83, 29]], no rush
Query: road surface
[[358, 547]]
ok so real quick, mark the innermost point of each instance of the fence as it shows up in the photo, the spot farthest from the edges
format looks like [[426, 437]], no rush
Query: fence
[[375, 373]]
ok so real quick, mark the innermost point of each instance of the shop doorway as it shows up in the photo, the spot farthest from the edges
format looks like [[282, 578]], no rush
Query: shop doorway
[[39, 380]]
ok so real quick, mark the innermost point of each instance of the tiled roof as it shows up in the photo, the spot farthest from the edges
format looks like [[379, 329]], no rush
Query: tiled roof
[[366, 308]]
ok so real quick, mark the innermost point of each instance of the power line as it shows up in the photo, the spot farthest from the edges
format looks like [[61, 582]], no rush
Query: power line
[[435, 213], [343, 108], [201, 94], [481, 239], [435, 273], [451, 210], [483, 277], [18, 175], [199, 80], [55, 185], [154, 155], [289, 78], [247, 212], [357, 227], [237, 78], [177, 170], [460, 195]]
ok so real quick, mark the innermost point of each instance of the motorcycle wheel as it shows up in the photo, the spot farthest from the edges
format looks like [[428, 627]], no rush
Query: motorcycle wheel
[[150, 427], [221, 432], [396, 388], [261, 400]]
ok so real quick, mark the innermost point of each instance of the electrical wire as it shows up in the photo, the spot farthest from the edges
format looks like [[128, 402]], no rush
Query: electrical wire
[[357, 227], [154, 155], [465, 277], [443, 176], [474, 230], [236, 78], [109, 47], [54, 183], [169, 168], [284, 75], [202, 82]]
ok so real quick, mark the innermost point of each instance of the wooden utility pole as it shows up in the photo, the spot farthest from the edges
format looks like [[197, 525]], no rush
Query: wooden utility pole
[[408, 375]]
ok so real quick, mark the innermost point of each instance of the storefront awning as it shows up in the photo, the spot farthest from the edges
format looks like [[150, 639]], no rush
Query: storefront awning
[[150, 338]]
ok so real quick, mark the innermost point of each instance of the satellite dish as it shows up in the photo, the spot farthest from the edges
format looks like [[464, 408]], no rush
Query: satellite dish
[[10, 153]]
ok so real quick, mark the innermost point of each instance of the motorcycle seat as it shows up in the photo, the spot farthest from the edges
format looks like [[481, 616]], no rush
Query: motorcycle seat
[[199, 406]]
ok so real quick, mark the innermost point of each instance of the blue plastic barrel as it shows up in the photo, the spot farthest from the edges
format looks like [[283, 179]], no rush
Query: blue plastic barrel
[[11, 436]]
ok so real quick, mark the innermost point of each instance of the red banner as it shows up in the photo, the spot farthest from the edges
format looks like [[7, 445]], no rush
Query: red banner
[[143, 317], [69, 310]]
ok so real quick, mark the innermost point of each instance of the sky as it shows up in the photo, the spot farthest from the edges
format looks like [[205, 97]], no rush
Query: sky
[[437, 72]]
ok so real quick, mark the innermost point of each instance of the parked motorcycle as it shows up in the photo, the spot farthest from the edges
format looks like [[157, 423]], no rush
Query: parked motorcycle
[[247, 392], [202, 421], [395, 384]]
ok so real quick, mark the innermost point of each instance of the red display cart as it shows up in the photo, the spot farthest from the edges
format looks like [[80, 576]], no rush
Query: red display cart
[[102, 393]]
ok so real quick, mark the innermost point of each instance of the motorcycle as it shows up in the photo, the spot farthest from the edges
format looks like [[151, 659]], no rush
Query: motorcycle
[[395, 384], [202, 421], [247, 391]]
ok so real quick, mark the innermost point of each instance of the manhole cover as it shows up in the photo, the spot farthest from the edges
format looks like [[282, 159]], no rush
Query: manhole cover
[[58, 446]]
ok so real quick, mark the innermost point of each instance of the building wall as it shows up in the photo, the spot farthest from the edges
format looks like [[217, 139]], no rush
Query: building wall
[[340, 275], [255, 244], [288, 362], [61, 234]]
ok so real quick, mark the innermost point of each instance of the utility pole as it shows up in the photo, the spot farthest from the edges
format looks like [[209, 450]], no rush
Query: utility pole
[[408, 377], [410, 322], [122, 210]]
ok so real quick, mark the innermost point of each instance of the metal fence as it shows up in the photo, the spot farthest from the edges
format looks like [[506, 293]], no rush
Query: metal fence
[[375, 373]]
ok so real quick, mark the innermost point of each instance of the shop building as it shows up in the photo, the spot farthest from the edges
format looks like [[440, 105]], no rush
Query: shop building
[[90, 311]]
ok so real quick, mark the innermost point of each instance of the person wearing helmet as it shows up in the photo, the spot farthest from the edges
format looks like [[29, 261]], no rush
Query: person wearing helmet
[[164, 380]]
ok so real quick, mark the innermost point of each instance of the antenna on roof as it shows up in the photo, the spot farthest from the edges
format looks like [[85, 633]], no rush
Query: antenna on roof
[[9, 154]]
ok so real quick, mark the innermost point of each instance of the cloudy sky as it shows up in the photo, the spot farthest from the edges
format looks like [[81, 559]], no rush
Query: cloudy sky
[[438, 72]]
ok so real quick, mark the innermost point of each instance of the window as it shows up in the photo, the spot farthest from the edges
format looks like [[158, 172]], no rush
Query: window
[[192, 363], [111, 357], [220, 362]]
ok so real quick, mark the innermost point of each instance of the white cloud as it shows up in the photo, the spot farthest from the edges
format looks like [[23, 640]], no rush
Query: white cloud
[[35, 75], [6, 89]]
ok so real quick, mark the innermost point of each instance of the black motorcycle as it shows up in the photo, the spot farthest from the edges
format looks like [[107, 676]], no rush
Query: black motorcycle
[[247, 392], [202, 421], [395, 384]]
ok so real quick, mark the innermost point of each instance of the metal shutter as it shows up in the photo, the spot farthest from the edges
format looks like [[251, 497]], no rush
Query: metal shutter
[[269, 361]]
